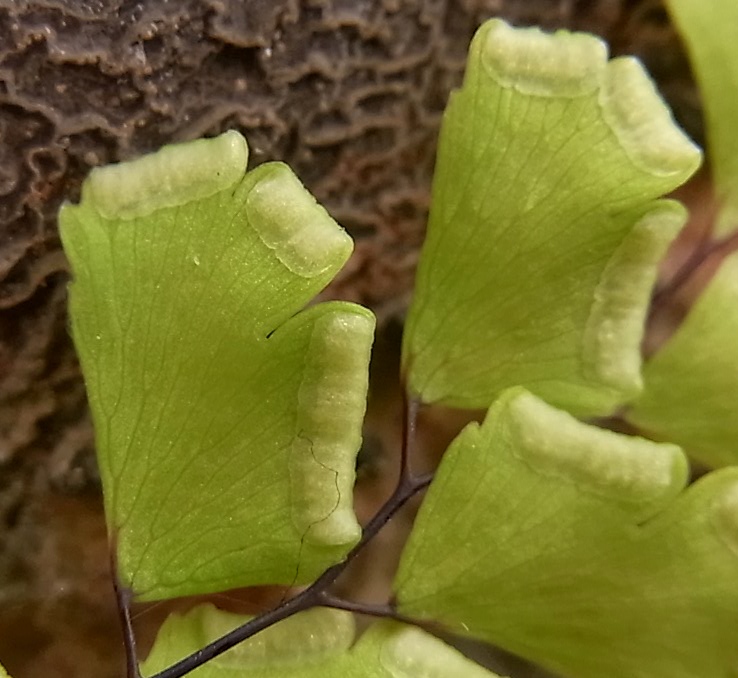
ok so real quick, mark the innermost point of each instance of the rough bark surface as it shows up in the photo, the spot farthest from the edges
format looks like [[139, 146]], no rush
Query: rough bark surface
[[348, 92]]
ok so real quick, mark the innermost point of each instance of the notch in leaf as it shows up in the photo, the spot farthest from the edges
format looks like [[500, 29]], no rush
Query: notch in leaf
[[545, 227], [227, 420]]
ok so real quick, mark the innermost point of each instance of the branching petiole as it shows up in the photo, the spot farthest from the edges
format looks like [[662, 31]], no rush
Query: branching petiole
[[408, 485]]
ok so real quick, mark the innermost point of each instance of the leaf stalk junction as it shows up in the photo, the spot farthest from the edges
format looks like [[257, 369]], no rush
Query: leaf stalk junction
[[319, 592]]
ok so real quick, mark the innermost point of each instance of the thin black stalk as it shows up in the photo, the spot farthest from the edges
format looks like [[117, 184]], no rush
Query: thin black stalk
[[123, 600], [704, 251], [407, 487], [385, 611], [302, 601]]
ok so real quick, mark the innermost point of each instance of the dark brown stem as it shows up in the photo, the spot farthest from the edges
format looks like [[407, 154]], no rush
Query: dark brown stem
[[123, 599], [407, 487], [386, 611], [704, 251]]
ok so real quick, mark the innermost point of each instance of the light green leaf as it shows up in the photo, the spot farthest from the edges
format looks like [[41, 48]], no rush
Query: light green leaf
[[227, 426], [576, 548], [545, 228], [3, 672], [709, 31], [692, 382], [318, 643], [308, 644]]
